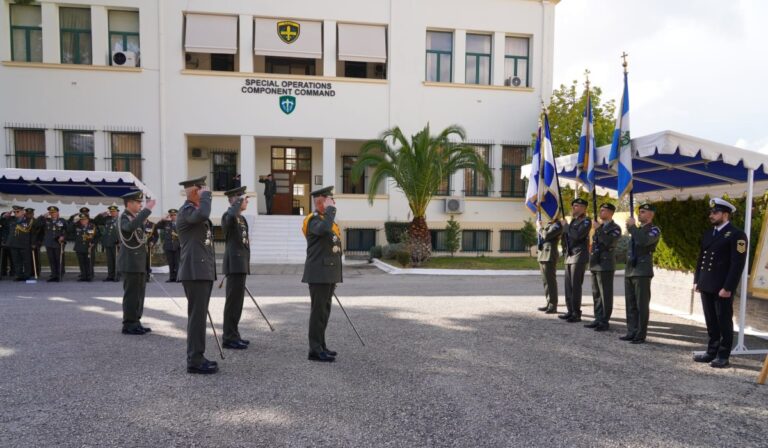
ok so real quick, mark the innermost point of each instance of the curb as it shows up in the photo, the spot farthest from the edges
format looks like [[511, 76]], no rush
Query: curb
[[389, 269]]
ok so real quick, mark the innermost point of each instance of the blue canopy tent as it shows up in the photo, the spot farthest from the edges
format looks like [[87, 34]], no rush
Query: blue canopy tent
[[670, 165]]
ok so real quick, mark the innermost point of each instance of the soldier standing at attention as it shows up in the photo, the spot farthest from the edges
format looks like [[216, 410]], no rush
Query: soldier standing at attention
[[237, 259], [548, 254], [639, 272], [131, 260], [197, 270], [602, 263], [270, 189], [718, 272], [86, 235], [20, 243], [7, 223], [575, 239], [167, 230], [110, 240], [322, 269], [54, 236]]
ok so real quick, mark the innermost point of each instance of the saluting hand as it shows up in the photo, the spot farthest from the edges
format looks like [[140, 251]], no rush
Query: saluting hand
[[329, 202], [151, 203]]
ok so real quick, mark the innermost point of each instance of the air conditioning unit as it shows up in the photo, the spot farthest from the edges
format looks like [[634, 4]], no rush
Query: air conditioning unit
[[198, 153], [454, 205], [124, 59]]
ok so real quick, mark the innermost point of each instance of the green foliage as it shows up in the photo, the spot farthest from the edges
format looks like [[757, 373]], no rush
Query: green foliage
[[404, 258], [569, 194], [375, 252], [452, 236], [390, 251], [395, 230], [528, 232]]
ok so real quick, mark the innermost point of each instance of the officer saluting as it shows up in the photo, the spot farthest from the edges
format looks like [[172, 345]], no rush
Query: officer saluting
[[548, 254], [167, 230], [86, 234], [718, 272], [322, 269], [237, 265], [55, 232], [197, 270], [576, 239], [603, 266], [110, 240]]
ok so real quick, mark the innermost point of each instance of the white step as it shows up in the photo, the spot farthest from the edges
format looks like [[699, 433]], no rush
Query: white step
[[277, 239]]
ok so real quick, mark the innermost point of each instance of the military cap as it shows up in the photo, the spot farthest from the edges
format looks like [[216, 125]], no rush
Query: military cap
[[17, 208], [173, 211], [83, 216], [721, 205], [53, 208], [199, 181], [135, 195], [85, 210], [647, 206], [29, 210], [235, 192], [609, 206], [325, 191], [113, 208], [579, 201]]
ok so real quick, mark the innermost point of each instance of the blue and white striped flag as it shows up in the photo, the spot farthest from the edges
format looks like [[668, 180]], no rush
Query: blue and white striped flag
[[621, 147], [532, 195], [549, 194], [585, 169]]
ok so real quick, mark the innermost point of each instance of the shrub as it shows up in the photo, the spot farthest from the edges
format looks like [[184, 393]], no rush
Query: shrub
[[404, 258], [375, 252], [452, 236], [394, 231], [389, 251]]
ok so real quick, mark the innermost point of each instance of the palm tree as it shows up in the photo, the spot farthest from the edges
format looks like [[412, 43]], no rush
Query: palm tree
[[418, 166]]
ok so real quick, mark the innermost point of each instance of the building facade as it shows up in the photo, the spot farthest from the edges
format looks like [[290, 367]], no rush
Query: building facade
[[240, 89]]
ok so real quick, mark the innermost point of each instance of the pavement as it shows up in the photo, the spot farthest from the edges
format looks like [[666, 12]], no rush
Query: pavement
[[449, 361]]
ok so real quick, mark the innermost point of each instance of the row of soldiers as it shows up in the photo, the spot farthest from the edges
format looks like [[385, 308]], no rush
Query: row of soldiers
[[718, 270], [22, 236]]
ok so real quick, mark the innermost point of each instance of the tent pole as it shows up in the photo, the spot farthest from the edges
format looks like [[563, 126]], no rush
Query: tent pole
[[740, 347]]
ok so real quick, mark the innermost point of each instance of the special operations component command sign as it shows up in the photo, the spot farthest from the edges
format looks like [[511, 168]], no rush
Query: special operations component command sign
[[287, 91]]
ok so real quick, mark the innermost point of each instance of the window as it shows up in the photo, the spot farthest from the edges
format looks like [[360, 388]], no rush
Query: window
[[360, 240], [478, 69], [354, 69], [512, 158], [210, 42], [511, 241], [224, 170], [438, 240], [26, 33], [124, 31], [445, 187], [474, 184], [75, 35], [348, 186], [29, 148], [290, 66], [291, 159], [439, 56], [516, 62], [78, 150], [475, 241], [126, 152]]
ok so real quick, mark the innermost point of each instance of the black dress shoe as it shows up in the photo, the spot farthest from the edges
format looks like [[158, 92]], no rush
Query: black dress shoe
[[592, 324], [719, 363], [321, 357], [146, 329], [551, 310], [706, 357], [135, 331], [329, 352], [234, 345], [170, 281], [52, 280], [601, 328], [543, 308], [245, 341], [206, 368], [573, 319], [565, 316], [627, 337], [108, 279], [637, 341]]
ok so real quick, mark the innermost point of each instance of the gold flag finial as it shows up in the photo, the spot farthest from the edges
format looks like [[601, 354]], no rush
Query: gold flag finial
[[624, 60], [586, 75]]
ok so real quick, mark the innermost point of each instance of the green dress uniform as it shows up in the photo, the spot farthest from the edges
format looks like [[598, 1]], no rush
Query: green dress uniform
[[602, 264], [20, 243], [86, 236], [322, 271], [54, 234], [550, 236], [7, 222], [236, 266], [197, 272], [576, 240], [637, 279], [131, 263], [170, 238], [110, 240]]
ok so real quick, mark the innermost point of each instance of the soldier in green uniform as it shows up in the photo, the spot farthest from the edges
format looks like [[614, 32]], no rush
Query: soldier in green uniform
[[7, 222], [167, 232], [20, 243], [549, 241], [322, 269], [35, 240], [197, 270], [54, 238], [237, 258], [86, 235], [110, 240], [575, 239], [602, 263], [131, 260], [639, 272]]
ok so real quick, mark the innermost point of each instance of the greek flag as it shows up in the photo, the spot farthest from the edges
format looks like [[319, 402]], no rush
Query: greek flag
[[549, 194], [532, 195], [621, 149], [585, 168]]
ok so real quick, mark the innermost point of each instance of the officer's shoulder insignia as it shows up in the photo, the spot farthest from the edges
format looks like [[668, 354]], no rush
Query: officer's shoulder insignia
[[727, 234], [741, 246], [616, 231], [654, 231]]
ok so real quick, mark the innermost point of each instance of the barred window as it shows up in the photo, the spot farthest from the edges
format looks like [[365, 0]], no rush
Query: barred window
[[438, 240], [126, 152], [78, 150], [512, 158], [474, 183], [348, 186], [29, 148], [445, 187], [511, 241], [26, 33], [224, 174], [476, 241], [360, 240]]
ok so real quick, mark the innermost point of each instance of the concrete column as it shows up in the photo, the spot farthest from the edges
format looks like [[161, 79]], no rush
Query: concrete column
[[51, 162], [51, 37], [248, 163], [329, 162], [246, 44], [329, 48], [99, 35], [497, 59], [459, 56], [496, 170], [101, 151], [547, 44], [5, 42]]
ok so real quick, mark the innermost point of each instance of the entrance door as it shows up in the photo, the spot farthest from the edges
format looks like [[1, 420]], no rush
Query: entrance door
[[291, 169], [283, 201]]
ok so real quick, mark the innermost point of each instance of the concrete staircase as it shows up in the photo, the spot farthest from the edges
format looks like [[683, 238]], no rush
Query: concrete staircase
[[277, 239]]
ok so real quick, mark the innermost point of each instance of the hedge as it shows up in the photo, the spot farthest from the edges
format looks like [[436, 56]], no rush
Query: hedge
[[394, 231]]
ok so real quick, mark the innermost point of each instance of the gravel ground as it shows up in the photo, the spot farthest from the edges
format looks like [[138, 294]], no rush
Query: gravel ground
[[449, 361]]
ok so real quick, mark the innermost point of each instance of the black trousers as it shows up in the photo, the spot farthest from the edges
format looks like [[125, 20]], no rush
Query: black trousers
[[86, 265], [55, 261], [198, 294], [22, 261], [134, 290], [6, 262], [602, 295], [321, 295], [111, 252], [718, 314], [637, 294], [172, 257], [233, 306], [268, 201], [574, 279], [549, 280]]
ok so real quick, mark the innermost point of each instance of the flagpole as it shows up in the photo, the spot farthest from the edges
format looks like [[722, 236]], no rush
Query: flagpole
[[540, 241], [631, 155], [588, 142]]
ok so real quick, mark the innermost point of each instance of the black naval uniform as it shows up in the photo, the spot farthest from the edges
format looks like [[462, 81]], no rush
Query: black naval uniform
[[322, 271], [110, 242], [131, 263], [54, 236], [576, 239], [720, 264], [237, 256], [548, 255], [197, 272], [637, 279], [170, 237], [20, 243], [85, 248], [602, 263]]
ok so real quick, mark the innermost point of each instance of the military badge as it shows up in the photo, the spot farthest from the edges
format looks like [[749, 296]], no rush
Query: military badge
[[288, 31], [727, 234], [335, 249], [741, 246]]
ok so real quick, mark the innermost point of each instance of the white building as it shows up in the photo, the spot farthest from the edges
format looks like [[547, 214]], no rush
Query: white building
[[200, 86]]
